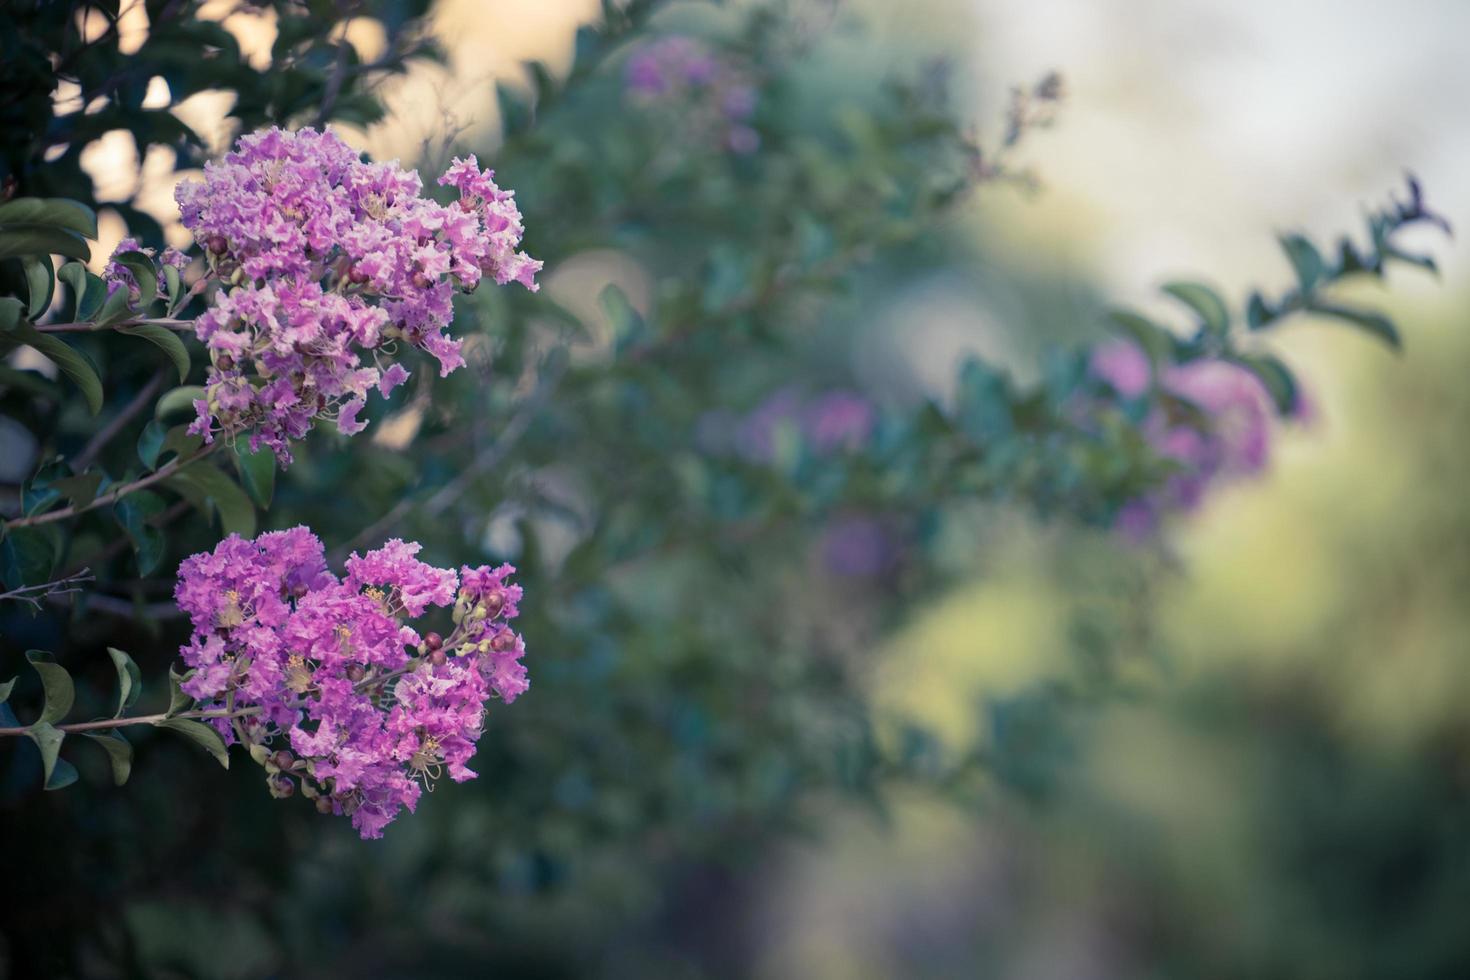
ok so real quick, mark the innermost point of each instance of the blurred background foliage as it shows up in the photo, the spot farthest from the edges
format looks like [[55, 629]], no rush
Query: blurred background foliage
[[1009, 745]]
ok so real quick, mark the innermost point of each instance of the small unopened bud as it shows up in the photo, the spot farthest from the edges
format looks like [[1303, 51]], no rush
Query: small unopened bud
[[433, 641], [437, 657], [504, 642], [323, 804], [356, 276], [237, 277], [225, 362], [494, 602], [309, 791], [283, 759], [281, 787], [260, 754], [356, 672], [218, 245]]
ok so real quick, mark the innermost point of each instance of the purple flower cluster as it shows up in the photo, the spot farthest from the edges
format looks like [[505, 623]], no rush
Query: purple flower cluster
[[833, 422], [333, 260], [1232, 440], [716, 97], [118, 276], [366, 711]]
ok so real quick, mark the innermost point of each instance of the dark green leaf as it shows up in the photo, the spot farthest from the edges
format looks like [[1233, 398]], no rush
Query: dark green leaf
[[166, 340], [202, 735], [1205, 302], [17, 242], [27, 556], [5, 690], [1305, 259], [203, 485], [627, 324], [40, 284], [1276, 377], [58, 772], [116, 307], [177, 699], [88, 290], [173, 283], [129, 680], [133, 513], [119, 753], [73, 363], [1154, 340], [145, 275], [52, 212], [150, 443], [257, 473], [60, 692], [1257, 314]]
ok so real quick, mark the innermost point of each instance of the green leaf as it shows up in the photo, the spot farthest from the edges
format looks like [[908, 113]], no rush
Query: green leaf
[[1205, 302], [18, 242], [116, 307], [73, 363], [145, 274], [54, 212], [203, 485], [174, 283], [27, 556], [133, 513], [179, 441], [150, 443], [80, 489], [5, 690], [129, 680], [178, 401], [12, 313], [119, 753], [1375, 324], [202, 735], [166, 340], [257, 473], [1258, 315], [1305, 259], [1154, 340], [982, 403], [89, 291], [177, 699], [40, 284], [58, 772], [60, 692], [1276, 377]]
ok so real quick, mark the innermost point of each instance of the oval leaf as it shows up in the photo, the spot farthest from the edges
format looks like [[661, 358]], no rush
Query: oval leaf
[[1206, 303], [40, 284], [60, 692], [119, 754], [129, 680], [57, 771], [166, 340], [202, 735], [73, 363]]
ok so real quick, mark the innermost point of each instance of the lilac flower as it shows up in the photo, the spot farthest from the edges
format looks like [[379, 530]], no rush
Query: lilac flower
[[328, 683], [334, 262], [710, 95]]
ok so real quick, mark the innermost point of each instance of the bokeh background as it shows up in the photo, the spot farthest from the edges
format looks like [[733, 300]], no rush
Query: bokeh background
[[1283, 789]]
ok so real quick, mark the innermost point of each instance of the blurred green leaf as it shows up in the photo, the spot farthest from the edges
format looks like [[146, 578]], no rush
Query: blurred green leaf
[[166, 340], [1205, 302]]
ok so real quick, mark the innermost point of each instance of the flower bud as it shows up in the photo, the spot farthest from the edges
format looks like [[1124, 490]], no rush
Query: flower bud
[[494, 602], [259, 753], [283, 759], [225, 362], [504, 642], [437, 658], [281, 787], [218, 245], [433, 641], [323, 804], [356, 672], [356, 276]]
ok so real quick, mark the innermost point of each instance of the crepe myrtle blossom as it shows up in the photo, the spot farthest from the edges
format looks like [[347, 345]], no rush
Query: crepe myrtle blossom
[[328, 680], [1227, 436], [829, 423], [714, 97], [330, 264], [118, 276]]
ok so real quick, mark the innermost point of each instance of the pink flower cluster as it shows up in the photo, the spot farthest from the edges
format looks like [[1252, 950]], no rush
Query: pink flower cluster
[[716, 96], [1232, 440], [333, 260], [366, 711], [118, 276], [833, 422]]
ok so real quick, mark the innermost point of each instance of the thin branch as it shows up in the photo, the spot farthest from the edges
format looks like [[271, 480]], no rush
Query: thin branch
[[112, 496], [33, 594], [98, 442]]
